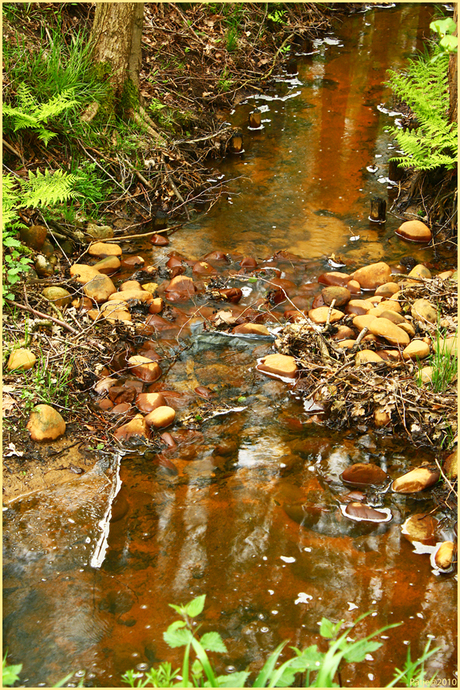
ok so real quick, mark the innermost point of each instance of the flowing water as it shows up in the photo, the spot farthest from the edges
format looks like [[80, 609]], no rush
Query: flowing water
[[249, 515]]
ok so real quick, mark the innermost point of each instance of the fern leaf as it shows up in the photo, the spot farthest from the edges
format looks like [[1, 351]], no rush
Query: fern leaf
[[48, 189]]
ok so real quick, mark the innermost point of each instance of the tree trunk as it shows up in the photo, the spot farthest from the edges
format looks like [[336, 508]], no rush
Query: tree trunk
[[116, 35], [453, 84]]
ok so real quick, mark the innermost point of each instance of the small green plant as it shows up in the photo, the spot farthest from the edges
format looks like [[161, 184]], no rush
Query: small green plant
[[232, 39], [224, 82], [43, 384], [413, 673], [317, 668], [278, 16], [445, 28], [444, 363], [10, 672]]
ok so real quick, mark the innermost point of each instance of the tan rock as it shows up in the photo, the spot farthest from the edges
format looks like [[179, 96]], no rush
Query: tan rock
[[83, 273], [450, 465], [340, 294], [420, 271], [254, 328], [390, 355], [447, 346], [45, 424], [444, 555], [373, 275], [104, 249], [423, 310], [150, 287], [22, 358], [393, 316], [445, 274], [125, 295], [426, 374], [182, 284], [146, 402], [58, 296], [103, 385], [408, 327], [384, 328], [415, 231], [416, 480], [417, 349], [363, 321], [385, 305], [144, 368], [334, 278], [320, 314], [366, 356], [161, 416], [156, 305], [281, 365], [108, 266], [343, 332], [99, 288], [358, 306], [420, 528], [387, 289], [117, 315], [137, 426], [99, 232], [354, 287], [130, 285], [381, 417], [346, 344]]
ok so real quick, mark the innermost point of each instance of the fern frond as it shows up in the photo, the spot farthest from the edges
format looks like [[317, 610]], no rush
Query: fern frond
[[48, 189]]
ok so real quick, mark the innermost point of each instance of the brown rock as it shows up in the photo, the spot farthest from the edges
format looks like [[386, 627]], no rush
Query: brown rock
[[99, 288], [420, 528], [366, 356], [334, 278], [359, 511], [58, 296], [108, 266], [320, 315], [137, 426], [203, 268], [146, 402], [83, 273], [385, 305], [182, 285], [354, 287], [144, 368], [294, 315], [363, 321], [450, 465], [161, 416], [363, 474], [426, 374], [358, 306], [373, 275], [417, 349], [125, 295], [423, 310], [248, 262], [104, 249], [420, 271], [346, 344], [121, 408], [381, 417], [254, 328], [387, 289], [34, 236], [281, 365], [132, 261], [45, 424], [384, 328], [22, 358], [415, 231], [340, 294], [232, 295], [416, 480], [444, 555], [131, 285], [343, 332], [159, 240]]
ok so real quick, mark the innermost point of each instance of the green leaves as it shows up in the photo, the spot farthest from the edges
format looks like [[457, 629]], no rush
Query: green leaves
[[177, 635], [328, 629], [10, 674], [213, 642]]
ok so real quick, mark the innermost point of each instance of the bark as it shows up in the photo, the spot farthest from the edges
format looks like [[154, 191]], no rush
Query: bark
[[116, 34], [453, 78]]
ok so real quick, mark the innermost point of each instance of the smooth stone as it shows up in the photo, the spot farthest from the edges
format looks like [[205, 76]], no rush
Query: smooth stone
[[445, 274], [281, 365], [99, 232], [294, 315], [390, 355], [340, 294], [420, 271], [43, 267], [423, 310], [420, 528], [45, 424], [320, 315], [373, 275], [204, 392], [99, 288], [232, 295], [109, 265], [248, 262], [144, 368], [121, 408], [381, 417], [132, 261], [137, 426], [387, 289], [147, 402], [159, 240], [363, 321], [117, 315], [354, 287], [161, 416], [22, 358], [417, 349], [346, 344], [366, 356], [254, 328], [386, 305], [416, 480], [408, 327], [362, 474], [34, 236], [343, 332], [450, 465], [125, 295], [359, 511], [150, 287], [83, 273], [203, 268], [103, 249], [57, 295], [358, 306], [426, 374], [444, 555], [104, 384], [391, 315], [415, 231], [157, 323], [183, 285], [130, 285], [447, 346], [334, 278], [156, 305], [384, 328]]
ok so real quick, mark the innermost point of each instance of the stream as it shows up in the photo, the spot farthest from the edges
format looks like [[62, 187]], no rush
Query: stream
[[91, 566]]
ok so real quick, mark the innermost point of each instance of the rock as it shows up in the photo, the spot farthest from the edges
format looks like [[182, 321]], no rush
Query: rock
[[204, 392], [420, 528], [255, 328], [444, 555], [334, 278], [346, 344], [426, 374], [363, 474], [144, 368], [366, 356], [381, 417], [125, 295], [232, 295], [183, 285], [131, 285], [340, 294], [423, 310], [363, 321], [415, 231], [203, 268], [320, 314], [281, 365], [360, 512], [159, 240], [354, 287], [137, 426], [156, 305], [387, 289], [447, 346], [248, 262], [103, 249], [391, 315], [343, 332], [384, 328], [358, 306], [109, 265], [58, 296], [34, 236], [45, 424], [43, 266], [104, 384], [99, 288], [149, 287], [22, 358], [445, 274], [132, 261], [121, 408], [114, 315], [83, 273], [416, 480], [373, 275], [450, 465], [294, 315], [420, 271], [161, 416], [146, 402], [417, 349], [99, 232]]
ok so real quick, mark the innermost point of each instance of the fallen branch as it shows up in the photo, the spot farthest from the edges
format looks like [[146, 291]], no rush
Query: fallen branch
[[41, 315]]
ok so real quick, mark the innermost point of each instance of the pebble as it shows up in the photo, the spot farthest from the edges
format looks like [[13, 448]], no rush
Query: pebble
[[444, 555], [334, 278], [33, 236], [373, 275], [415, 231], [320, 315], [254, 328], [45, 424], [417, 349], [22, 358], [341, 295], [108, 266], [387, 289], [416, 480], [281, 365], [58, 296], [384, 328], [99, 288], [103, 249], [147, 402], [83, 273], [144, 368], [137, 426], [161, 416], [366, 356], [423, 310]]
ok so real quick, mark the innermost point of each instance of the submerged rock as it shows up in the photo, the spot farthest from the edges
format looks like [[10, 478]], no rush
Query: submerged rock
[[363, 474], [416, 480], [45, 424], [144, 368], [420, 528], [414, 230], [361, 512], [137, 426]]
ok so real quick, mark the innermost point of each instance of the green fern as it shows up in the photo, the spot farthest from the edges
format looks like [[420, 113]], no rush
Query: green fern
[[29, 113], [424, 87]]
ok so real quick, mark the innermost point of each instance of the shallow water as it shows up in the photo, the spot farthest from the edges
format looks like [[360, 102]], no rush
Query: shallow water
[[248, 515]]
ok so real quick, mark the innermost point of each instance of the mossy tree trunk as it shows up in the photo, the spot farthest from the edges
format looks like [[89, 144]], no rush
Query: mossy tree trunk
[[116, 35]]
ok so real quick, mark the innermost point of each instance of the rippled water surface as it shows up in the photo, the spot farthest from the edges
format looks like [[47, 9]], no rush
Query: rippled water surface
[[251, 516]]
